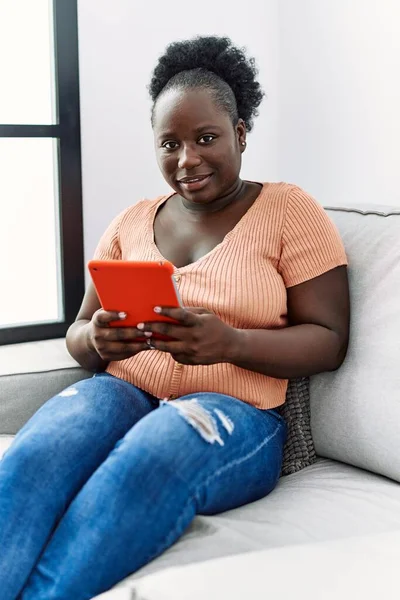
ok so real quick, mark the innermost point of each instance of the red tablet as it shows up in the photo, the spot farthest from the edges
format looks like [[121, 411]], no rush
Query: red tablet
[[134, 288]]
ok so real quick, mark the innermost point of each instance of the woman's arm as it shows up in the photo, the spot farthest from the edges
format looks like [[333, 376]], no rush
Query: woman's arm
[[78, 335], [316, 339]]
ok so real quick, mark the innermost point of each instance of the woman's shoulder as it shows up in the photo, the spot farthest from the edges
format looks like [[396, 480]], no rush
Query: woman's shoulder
[[282, 190], [283, 197]]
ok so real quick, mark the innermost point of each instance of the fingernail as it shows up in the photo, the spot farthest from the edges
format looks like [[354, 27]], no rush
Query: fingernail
[[122, 315], [148, 334], [140, 325], [157, 309]]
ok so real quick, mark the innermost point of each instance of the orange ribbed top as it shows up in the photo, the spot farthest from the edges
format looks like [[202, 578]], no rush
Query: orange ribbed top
[[284, 239]]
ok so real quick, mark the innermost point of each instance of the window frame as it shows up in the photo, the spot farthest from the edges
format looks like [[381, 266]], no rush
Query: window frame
[[67, 132]]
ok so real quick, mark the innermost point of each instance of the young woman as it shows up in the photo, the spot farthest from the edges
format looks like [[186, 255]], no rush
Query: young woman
[[110, 472]]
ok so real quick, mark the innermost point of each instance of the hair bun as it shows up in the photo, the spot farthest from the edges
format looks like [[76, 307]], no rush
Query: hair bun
[[219, 56]]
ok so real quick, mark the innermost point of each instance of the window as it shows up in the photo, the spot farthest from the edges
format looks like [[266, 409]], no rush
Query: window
[[41, 233]]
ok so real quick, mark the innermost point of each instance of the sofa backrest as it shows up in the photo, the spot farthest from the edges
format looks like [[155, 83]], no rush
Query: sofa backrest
[[355, 411]]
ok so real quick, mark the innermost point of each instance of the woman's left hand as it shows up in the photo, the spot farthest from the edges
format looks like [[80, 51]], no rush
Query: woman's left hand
[[200, 337]]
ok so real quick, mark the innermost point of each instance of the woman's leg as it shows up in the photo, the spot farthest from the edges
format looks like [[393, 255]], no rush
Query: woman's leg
[[49, 461], [200, 454]]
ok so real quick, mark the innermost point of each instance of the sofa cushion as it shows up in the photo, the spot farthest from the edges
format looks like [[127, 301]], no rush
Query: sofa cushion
[[355, 411], [299, 451], [327, 501], [30, 374], [360, 567]]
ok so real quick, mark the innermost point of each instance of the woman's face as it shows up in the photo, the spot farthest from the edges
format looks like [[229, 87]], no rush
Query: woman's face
[[198, 149]]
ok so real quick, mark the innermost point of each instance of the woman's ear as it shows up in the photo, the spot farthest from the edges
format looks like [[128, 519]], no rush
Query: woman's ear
[[241, 134]]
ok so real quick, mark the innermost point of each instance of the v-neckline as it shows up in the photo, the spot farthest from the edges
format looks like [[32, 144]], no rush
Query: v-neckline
[[158, 255]]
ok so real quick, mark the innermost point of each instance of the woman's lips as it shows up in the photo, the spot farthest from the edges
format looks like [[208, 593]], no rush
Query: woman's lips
[[195, 183]]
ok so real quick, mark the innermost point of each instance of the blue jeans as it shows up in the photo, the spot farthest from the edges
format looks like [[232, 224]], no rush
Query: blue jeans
[[105, 477]]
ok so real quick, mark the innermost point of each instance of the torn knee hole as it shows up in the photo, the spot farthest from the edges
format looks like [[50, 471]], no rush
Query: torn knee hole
[[202, 420]]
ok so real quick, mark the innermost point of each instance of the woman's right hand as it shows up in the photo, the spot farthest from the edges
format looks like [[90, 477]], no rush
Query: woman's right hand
[[113, 343]]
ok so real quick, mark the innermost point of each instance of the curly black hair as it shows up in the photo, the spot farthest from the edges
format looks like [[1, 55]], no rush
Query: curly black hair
[[214, 63]]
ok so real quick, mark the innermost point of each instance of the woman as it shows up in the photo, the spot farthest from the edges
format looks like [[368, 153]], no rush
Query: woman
[[109, 473]]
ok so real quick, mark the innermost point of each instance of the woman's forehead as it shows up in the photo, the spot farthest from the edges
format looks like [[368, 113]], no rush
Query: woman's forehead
[[193, 109]]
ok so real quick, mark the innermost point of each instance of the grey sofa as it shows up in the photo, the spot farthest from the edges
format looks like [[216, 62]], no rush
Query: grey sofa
[[327, 514]]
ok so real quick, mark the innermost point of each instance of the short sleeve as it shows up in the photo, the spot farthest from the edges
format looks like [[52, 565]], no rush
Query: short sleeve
[[109, 247], [311, 244]]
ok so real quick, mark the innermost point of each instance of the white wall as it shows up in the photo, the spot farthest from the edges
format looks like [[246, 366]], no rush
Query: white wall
[[339, 89], [120, 42]]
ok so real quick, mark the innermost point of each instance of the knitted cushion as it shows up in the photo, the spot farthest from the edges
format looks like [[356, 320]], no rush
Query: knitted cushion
[[299, 450]]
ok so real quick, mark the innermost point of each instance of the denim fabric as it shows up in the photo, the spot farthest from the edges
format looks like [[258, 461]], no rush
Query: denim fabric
[[104, 477]]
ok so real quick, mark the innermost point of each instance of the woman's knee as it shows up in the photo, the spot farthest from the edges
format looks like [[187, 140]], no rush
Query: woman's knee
[[178, 438], [80, 424], [91, 409]]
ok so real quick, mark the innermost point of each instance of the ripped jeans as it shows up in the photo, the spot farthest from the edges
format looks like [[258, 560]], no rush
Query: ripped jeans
[[104, 477]]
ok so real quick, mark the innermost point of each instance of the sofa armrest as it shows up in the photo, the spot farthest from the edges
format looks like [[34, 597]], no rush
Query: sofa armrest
[[30, 374]]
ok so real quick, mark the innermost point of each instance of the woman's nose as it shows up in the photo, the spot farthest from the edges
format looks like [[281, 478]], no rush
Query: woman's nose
[[188, 158]]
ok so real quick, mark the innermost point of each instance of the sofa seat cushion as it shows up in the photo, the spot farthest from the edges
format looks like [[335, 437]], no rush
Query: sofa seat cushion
[[327, 501], [360, 567], [324, 502]]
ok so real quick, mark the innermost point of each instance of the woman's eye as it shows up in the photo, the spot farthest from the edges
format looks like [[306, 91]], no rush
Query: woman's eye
[[170, 145], [206, 139]]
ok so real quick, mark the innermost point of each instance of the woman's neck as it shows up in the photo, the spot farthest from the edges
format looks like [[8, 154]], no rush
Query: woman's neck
[[236, 192]]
